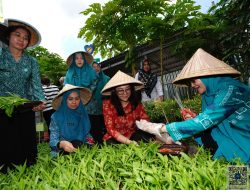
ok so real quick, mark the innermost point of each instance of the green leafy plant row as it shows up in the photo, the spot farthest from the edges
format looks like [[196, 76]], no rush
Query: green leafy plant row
[[119, 167]]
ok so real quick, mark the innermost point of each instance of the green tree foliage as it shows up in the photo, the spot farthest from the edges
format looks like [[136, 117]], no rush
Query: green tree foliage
[[174, 18], [122, 25], [51, 64], [201, 32], [223, 32], [119, 25], [233, 17]]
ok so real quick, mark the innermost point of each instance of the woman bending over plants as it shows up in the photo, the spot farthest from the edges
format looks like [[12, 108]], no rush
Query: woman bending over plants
[[223, 126]]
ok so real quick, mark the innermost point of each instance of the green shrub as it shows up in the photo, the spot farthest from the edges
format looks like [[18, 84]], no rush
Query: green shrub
[[159, 111]]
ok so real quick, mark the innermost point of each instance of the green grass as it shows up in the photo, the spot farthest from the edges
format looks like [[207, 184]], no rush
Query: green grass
[[119, 167]]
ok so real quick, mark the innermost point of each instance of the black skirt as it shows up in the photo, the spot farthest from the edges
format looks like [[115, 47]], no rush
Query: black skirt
[[98, 128], [17, 139]]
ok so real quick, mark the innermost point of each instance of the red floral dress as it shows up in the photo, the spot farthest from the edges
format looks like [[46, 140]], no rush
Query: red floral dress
[[124, 125]]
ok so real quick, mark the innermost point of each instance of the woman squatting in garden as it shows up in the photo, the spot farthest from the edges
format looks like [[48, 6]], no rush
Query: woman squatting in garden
[[70, 125], [223, 126]]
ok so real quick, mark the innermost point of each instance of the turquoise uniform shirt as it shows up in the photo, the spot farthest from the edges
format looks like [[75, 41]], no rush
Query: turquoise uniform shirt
[[20, 77], [226, 110], [94, 107]]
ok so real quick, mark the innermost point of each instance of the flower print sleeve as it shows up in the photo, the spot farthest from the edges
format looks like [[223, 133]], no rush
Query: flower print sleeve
[[224, 105], [109, 119], [89, 140]]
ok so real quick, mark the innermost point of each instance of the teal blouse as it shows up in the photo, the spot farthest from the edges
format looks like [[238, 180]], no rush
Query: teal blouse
[[20, 77], [95, 105], [84, 76], [226, 110]]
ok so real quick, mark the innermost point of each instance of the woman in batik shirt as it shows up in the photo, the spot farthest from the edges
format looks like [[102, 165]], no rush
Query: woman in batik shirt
[[122, 109], [70, 123], [19, 74], [223, 126]]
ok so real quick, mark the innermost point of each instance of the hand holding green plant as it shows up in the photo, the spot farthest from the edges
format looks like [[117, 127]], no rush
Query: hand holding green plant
[[8, 103], [67, 146]]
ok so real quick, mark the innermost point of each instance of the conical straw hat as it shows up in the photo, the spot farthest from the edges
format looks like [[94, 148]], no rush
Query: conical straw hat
[[89, 58], [118, 79], [35, 35], [85, 95], [203, 64]]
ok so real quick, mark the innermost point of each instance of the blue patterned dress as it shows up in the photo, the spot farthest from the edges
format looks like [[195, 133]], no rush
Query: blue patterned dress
[[68, 124], [226, 112]]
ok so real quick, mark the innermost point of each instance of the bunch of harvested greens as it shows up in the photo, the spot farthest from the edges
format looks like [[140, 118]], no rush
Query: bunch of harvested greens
[[8, 103]]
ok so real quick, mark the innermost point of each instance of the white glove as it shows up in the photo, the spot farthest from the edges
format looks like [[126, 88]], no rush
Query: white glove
[[166, 138], [152, 128]]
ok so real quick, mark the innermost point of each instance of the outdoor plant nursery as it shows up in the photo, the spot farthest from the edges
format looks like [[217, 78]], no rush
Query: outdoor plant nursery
[[120, 167]]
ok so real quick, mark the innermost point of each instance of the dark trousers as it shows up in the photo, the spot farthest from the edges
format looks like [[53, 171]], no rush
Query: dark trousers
[[98, 128], [139, 135], [17, 139]]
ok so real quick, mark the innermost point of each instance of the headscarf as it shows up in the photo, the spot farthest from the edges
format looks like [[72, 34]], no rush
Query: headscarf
[[73, 124], [81, 76], [148, 78], [214, 85], [102, 81]]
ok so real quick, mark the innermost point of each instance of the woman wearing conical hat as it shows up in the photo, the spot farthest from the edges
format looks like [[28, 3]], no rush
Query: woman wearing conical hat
[[122, 109], [70, 125], [223, 126], [19, 74], [81, 73]]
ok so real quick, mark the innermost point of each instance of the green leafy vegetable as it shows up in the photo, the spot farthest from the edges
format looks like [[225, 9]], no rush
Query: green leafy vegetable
[[8, 103]]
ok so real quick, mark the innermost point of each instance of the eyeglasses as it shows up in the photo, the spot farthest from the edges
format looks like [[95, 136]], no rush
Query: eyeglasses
[[122, 91]]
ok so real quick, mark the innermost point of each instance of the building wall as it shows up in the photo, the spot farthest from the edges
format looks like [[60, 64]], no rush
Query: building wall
[[172, 64]]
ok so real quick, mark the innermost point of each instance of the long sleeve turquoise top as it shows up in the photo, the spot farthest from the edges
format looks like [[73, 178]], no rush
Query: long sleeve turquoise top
[[226, 111], [20, 77], [94, 107]]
